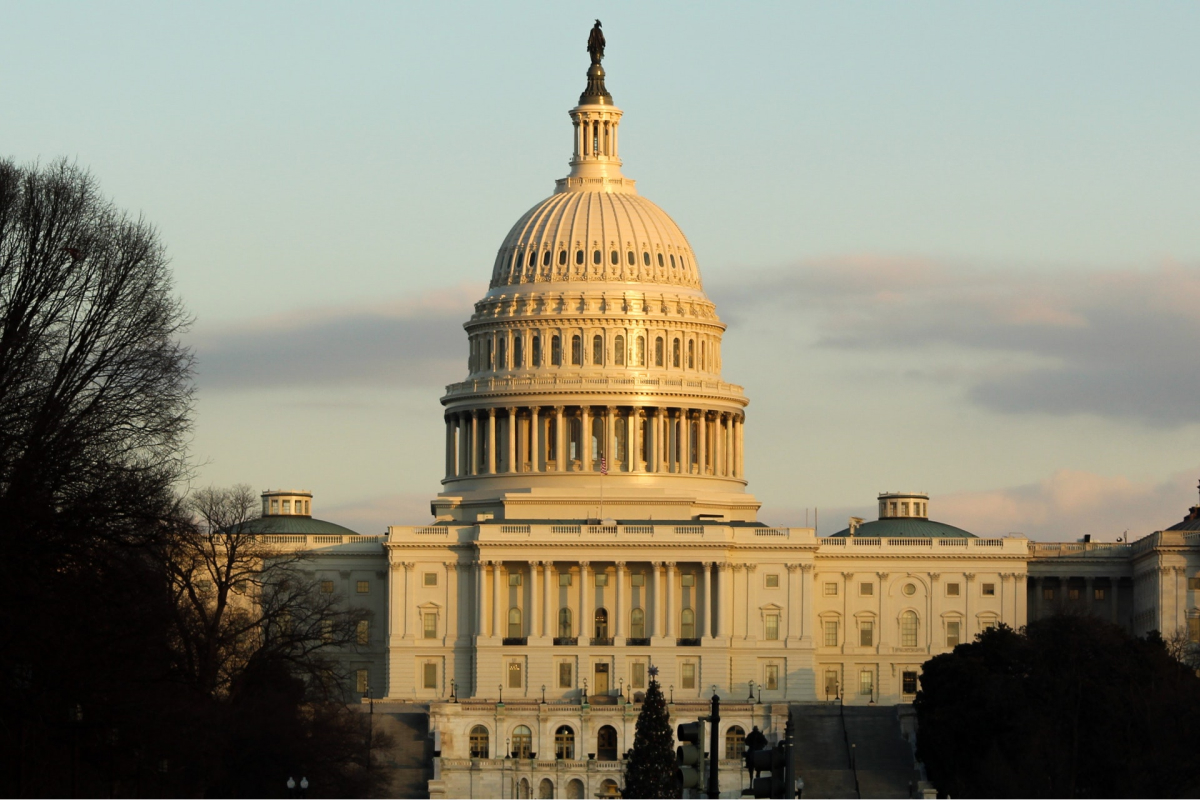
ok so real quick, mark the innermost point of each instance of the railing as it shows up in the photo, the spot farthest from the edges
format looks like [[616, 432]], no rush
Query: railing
[[639, 530], [602, 530], [910, 542], [987, 543], [637, 642], [771, 532], [689, 530], [601, 641], [952, 542], [687, 642], [514, 529], [431, 531], [515, 640], [282, 538], [865, 541], [512, 384], [566, 641], [317, 538], [568, 529]]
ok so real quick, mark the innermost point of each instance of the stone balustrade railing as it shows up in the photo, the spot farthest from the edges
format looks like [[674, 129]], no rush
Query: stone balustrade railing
[[663, 385]]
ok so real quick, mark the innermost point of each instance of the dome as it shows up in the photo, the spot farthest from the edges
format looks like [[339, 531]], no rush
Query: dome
[[907, 528], [295, 524], [605, 235]]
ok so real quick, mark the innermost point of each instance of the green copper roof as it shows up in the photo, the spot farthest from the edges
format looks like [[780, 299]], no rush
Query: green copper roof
[[283, 523], [907, 527]]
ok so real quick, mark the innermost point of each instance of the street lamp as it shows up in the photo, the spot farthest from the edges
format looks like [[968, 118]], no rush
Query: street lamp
[[453, 692], [501, 687], [543, 694], [760, 694], [750, 699], [585, 690], [621, 682], [672, 688]]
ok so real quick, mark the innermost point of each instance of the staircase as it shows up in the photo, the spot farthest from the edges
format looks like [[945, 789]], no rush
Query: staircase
[[851, 752]]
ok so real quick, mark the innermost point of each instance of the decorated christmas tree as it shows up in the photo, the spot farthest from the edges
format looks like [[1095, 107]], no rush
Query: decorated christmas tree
[[650, 767]]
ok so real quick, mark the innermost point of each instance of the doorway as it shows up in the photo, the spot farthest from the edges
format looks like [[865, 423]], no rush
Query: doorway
[[600, 687]]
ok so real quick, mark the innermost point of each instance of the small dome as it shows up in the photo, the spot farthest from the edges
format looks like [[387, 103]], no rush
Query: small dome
[[295, 524], [596, 236], [907, 528]]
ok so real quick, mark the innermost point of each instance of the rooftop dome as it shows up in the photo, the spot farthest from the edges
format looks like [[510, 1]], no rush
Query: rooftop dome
[[904, 515]]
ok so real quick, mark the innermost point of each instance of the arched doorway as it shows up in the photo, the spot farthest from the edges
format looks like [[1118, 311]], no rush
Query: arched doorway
[[522, 742], [564, 743], [479, 742], [546, 789], [601, 627], [523, 789], [735, 742], [575, 788], [606, 743]]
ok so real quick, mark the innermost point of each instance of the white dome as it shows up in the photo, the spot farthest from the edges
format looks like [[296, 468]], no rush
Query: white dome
[[576, 236]]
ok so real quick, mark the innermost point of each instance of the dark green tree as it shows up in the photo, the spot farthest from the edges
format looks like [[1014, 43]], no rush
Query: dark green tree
[[650, 767]]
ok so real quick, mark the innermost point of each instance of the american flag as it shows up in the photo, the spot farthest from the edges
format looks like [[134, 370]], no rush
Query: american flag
[[603, 465]]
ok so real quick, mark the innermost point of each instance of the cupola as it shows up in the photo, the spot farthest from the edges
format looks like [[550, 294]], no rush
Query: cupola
[[286, 503], [901, 505]]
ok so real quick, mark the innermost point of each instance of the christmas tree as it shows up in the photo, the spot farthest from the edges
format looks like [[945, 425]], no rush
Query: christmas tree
[[650, 767]]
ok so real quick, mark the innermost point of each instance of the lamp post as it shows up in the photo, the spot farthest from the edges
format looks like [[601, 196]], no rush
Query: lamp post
[[585, 690], [501, 688], [672, 688], [621, 682], [750, 699], [760, 694], [453, 692], [543, 694]]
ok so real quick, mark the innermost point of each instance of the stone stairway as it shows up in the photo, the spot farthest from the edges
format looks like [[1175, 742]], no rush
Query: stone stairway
[[882, 759]]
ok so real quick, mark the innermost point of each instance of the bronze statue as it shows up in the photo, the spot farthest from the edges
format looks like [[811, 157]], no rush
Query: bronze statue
[[596, 43]]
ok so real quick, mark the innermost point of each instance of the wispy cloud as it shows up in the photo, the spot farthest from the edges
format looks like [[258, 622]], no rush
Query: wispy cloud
[[1120, 343], [411, 342]]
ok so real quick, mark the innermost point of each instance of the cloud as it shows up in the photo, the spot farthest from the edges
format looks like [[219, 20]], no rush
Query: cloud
[[1119, 343], [415, 342]]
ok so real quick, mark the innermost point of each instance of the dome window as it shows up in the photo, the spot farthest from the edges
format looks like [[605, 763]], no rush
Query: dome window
[[646, 258], [556, 351], [672, 261], [597, 349], [675, 354], [533, 258], [615, 257], [639, 352], [577, 350], [631, 258], [579, 257], [546, 259], [619, 350], [658, 343], [691, 353], [660, 260], [535, 355], [562, 257], [518, 351], [597, 257]]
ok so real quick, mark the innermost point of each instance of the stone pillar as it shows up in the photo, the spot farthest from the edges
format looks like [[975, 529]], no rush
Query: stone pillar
[[585, 438], [750, 568], [793, 601], [738, 447], [968, 620], [560, 441], [510, 435], [669, 606], [633, 439], [586, 624], [725, 599], [396, 591], [730, 450], [464, 445], [735, 574], [548, 620], [496, 629], [452, 601], [491, 441], [653, 425], [531, 626], [450, 466], [712, 611], [685, 446], [410, 630], [473, 467], [702, 443], [703, 593], [535, 448], [478, 598], [619, 626], [806, 598], [655, 615], [610, 439]]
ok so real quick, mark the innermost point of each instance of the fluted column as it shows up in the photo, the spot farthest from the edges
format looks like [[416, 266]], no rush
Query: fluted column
[[619, 626], [724, 598], [452, 601], [706, 601], [750, 568], [464, 444], [585, 616], [610, 439], [547, 594], [653, 422], [534, 601], [535, 450], [656, 613], [478, 598], [474, 468], [702, 443], [633, 439], [496, 598], [491, 441], [449, 446], [669, 627], [560, 441], [728, 438], [510, 460], [739, 466], [585, 437], [685, 448]]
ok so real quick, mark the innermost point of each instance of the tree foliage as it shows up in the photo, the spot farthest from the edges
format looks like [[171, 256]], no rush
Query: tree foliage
[[650, 767], [1070, 706]]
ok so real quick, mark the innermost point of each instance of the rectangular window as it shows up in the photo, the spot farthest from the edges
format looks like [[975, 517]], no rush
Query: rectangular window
[[1194, 629], [514, 675], [990, 625], [360, 682], [287, 506], [1194, 584], [637, 675], [831, 589], [772, 632], [430, 579], [364, 587], [953, 633], [1098, 594], [363, 632], [637, 579], [1047, 594], [689, 676], [564, 675], [601, 579], [564, 579], [989, 590], [831, 633], [514, 579], [831, 683], [866, 589], [771, 674], [866, 634], [773, 580], [430, 675], [274, 506], [866, 682], [908, 682], [951, 590], [1073, 593], [687, 579], [431, 625], [327, 587]]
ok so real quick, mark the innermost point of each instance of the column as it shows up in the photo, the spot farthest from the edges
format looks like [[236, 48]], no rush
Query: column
[[653, 421], [491, 442], [510, 458], [655, 615], [1038, 593], [397, 619], [464, 444], [585, 616], [619, 626], [560, 440], [478, 598], [585, 438], [725, 598], [669, 606], [449, 446], [793, 600], [410, 629], [685, 441], [452, 604], [738, 445], [750, 568], [735, 571], [702, 443], [729, 448], [719, 444], [633, 439], [474, 466], [934, 611], [669, 439], [702, 593], [610, 439], [806, 598], [496, 629], [535, 449], [710, 600], [547, 578], [968, 621]]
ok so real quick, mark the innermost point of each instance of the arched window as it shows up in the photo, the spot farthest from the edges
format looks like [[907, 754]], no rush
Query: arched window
[[522, 742], [630, 258], [645, 258], [574, 436], [658, 351], [579, 257], [606, 743], [639, 352], [577, 350], [687, 624], [562, 258], [479, 742], [621, 434], [597, 257], [564, 623], [502, 354], [703, 355], [535, 346], [660, 259], [491, 357], [564, 744], [619, 350], [575, 788], [546, 789], [514, 623], [615, 257], [597, 349], [637, 624], [523, 788], [546, 259], [609, 788], [908, 629], [601, 626], [518, 351], [691, 353], [672, 261], [675, 354], [735, 743], [556, 351]]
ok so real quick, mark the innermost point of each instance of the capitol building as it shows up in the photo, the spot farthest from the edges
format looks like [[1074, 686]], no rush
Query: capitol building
[[595, 520]]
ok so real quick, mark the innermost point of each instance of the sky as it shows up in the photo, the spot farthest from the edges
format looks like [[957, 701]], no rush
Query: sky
[[955, 244]]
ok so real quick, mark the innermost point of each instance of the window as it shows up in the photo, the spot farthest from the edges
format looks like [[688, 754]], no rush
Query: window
[[687, 624], [735, 743], [514, 623], [866, 589], [908, 682], [831, 633], [601, 624], [577, 350], [533, 258], [687, 579], [831, 683], [691, 353], [514, 579], [675, 351], [866, 633], [578, 256], [637, 579], [672, 261], [518, 351], [327, 587], [637, 675], [602, 579], [866, 682], [773, 580], [658, 351], [327, 630], [430, 618], [597, 349], [771, 674], [597, 257], [1193, 629], [989, 590], [556, 351], [639, 352], [479, 742], [564, 675], [772, 627], [908, 629], [951, 590], [564, 623], [564, 737], [429, 675], [287, 506], [989, 624], [1047, 593], [546, 259], [562, 258], [1194, 584], [1098, 594], [535, 355], [364, 587], [514, 675], [953, 633], [362, 632], [502, 354], [522, 742], [614, 257], [688, 672], [630, 258], [910, 589], [831, 589], [619, 350], [645, 259], [1073, 593], [361, 681], [564, 579], [274, 506], [637, 624]]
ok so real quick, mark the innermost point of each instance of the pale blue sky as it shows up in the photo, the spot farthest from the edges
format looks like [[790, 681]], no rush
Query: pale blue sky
[[956, 243]]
